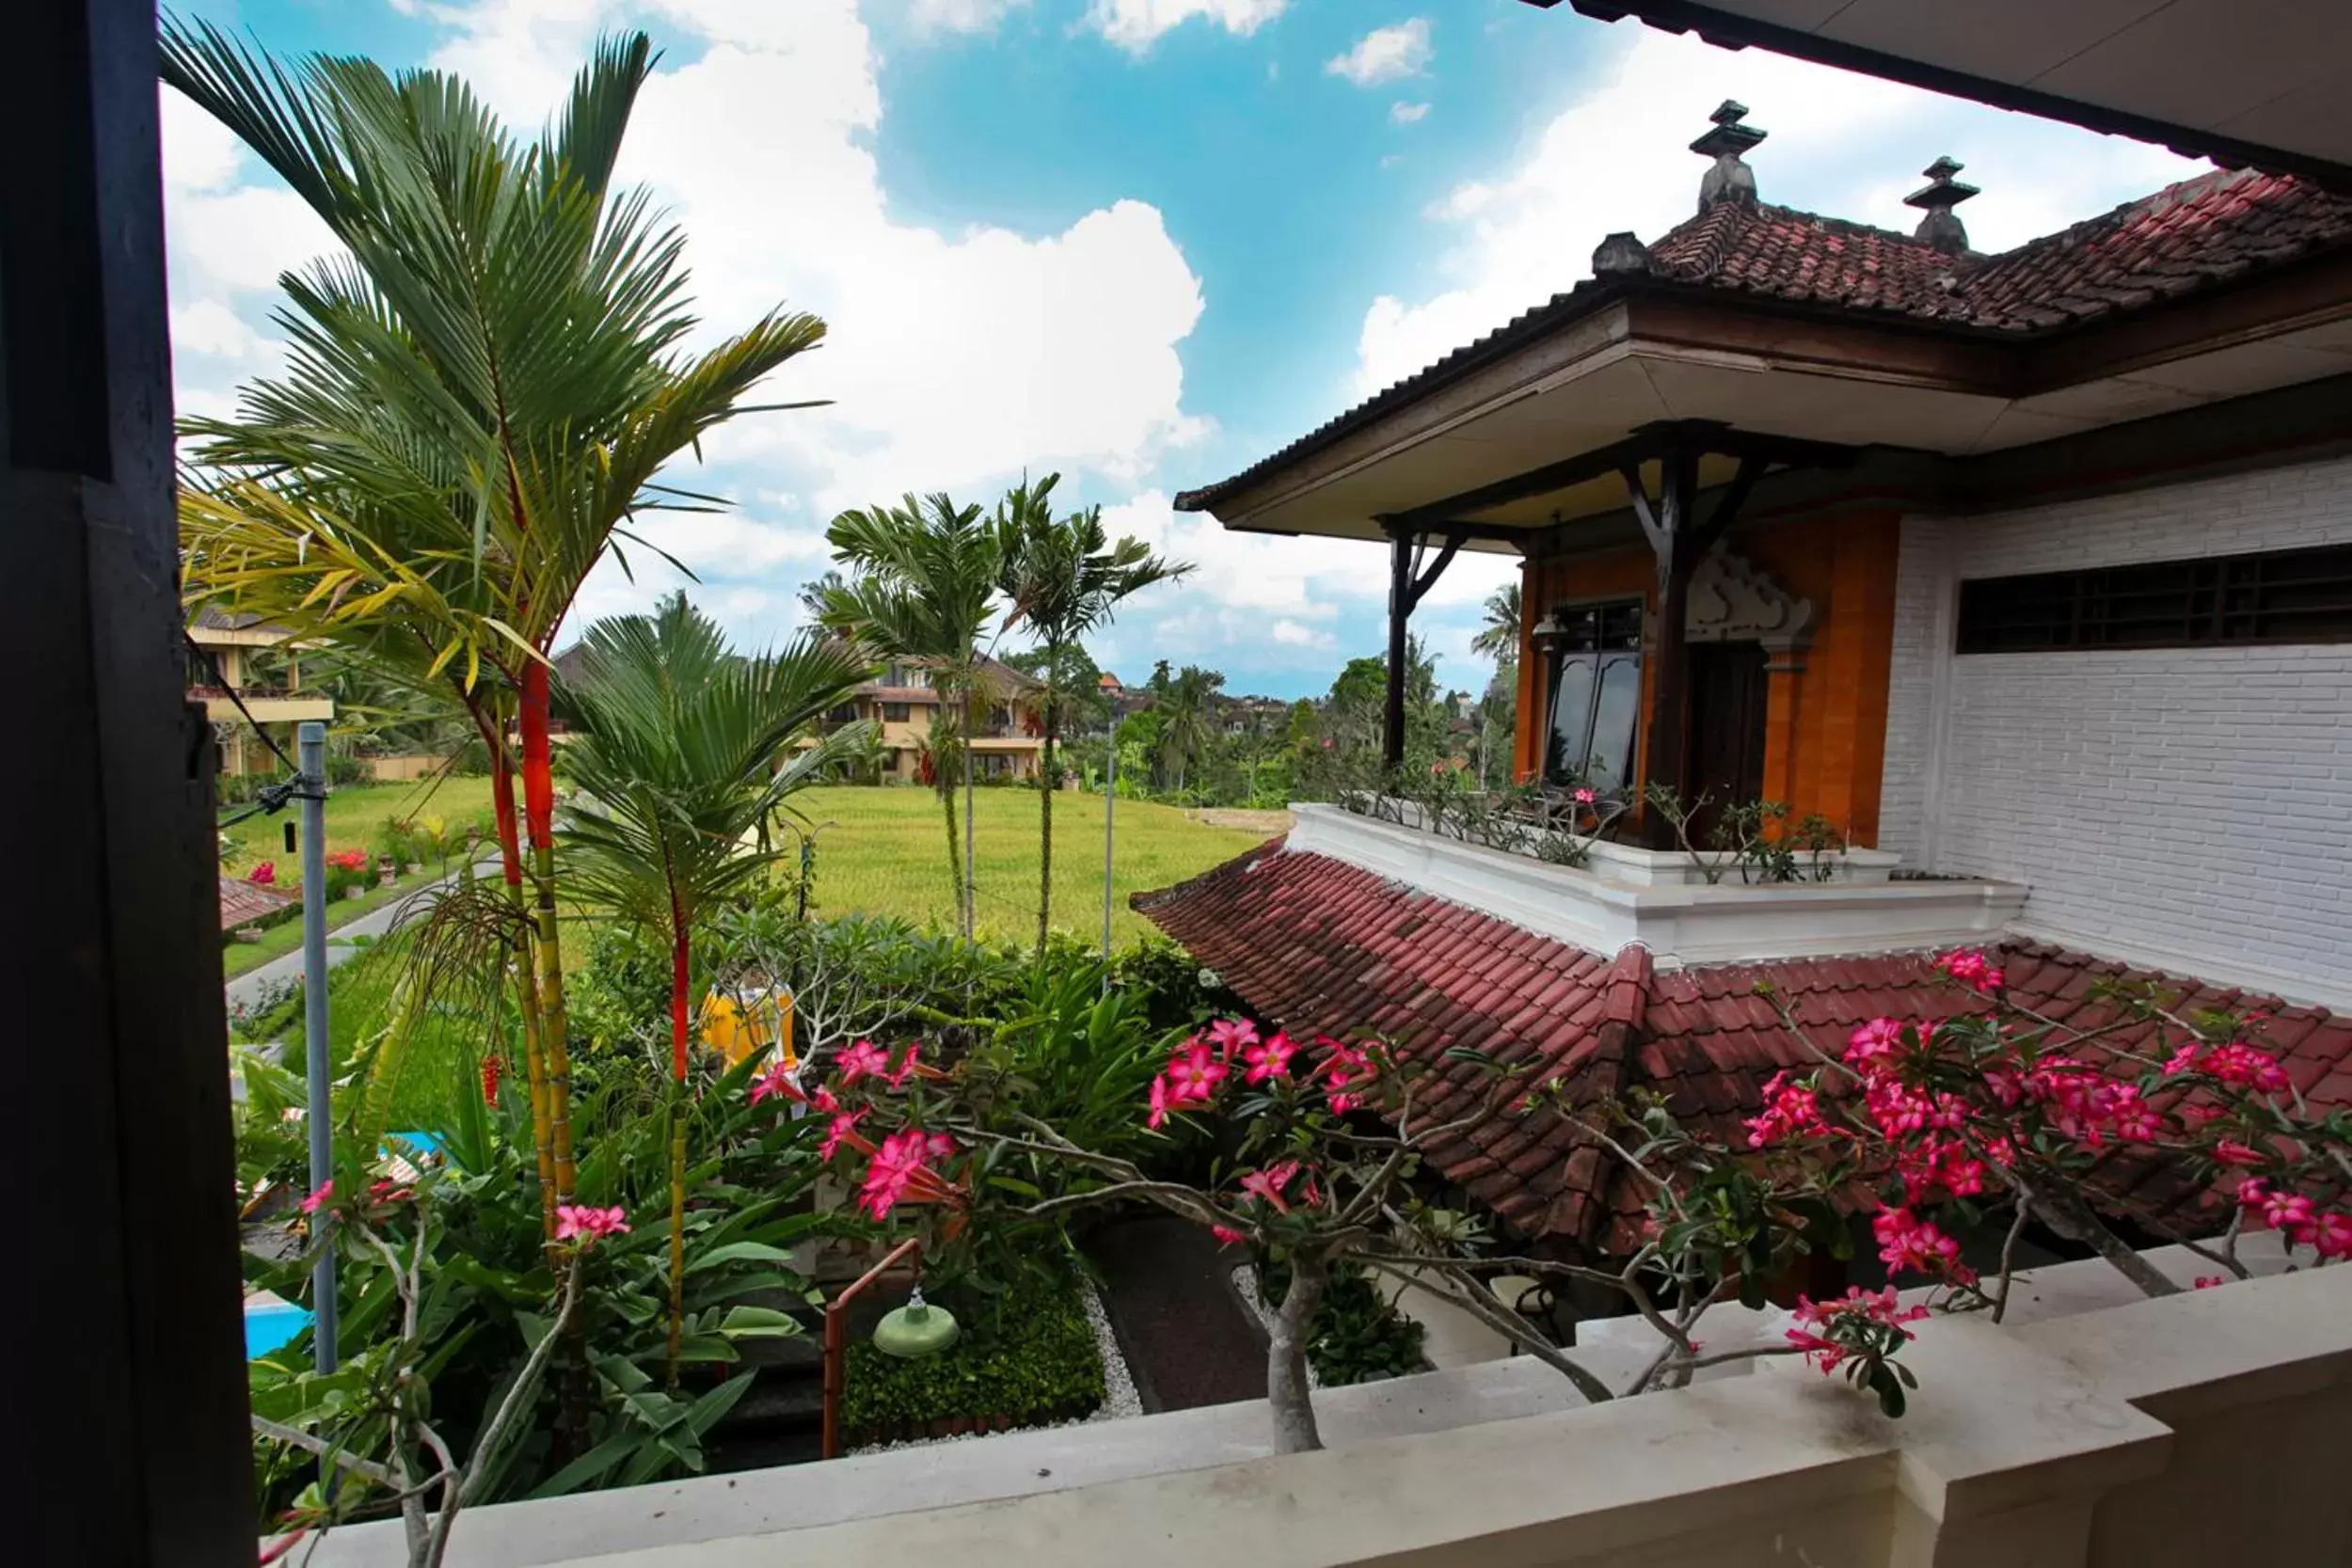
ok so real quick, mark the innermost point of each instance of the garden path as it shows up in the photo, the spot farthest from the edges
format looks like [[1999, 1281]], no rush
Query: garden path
[[246, 990], [1186, 1336]]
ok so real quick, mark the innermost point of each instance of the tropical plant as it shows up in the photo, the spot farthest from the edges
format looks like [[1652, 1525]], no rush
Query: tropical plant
[[484, 382], [927, 570], [681, 752], [1187, 719], [1063, 579], [1499, 633]]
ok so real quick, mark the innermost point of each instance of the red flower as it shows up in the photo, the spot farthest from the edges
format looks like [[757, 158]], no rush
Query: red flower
[[895, 1165], [1269, 1058], [862, 1060], [263, 873], [493, 1069], [839, 1131], [320, 1200], [1161, 1103], [1194, 1074], [777, 1079]]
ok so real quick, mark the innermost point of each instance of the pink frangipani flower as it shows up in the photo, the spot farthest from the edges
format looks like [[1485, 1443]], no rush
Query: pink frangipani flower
[[1195, 1074], [862, 1060], [581, 1223], [1268, 1058]]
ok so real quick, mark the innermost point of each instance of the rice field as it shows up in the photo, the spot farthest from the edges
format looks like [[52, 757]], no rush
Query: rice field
[[885, 852]]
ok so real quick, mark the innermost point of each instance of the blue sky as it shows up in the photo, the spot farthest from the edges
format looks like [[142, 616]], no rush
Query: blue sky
[[1140, 242]]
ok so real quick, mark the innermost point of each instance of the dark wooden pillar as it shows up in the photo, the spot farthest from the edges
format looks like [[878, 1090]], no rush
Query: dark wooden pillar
[[1399, 611], [1406, 592], [1681, 539], [126, 1415]]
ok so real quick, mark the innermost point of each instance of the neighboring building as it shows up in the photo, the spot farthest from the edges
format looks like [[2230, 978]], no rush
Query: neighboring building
[[262, 665], [2029, 572], [1008, 731]]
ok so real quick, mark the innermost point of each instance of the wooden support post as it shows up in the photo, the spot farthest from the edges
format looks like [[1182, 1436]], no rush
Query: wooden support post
[[1680, 540], [1400, 610]]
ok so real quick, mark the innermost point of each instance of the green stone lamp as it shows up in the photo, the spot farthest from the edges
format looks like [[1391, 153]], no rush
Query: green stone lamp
[[915, 1329]]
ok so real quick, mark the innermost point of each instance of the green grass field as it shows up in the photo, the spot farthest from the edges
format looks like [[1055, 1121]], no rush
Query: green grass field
[[355, 814], [885, 852]]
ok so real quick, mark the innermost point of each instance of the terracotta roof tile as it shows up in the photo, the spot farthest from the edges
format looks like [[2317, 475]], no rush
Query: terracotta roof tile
[[241, 903], [1707, 1038]]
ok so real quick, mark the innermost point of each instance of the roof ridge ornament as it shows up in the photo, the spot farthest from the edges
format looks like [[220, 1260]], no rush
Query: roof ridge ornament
[[1942, 228], [1730, 179], [1621, 255]]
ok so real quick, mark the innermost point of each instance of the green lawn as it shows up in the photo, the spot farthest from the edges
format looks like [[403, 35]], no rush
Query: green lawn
[[355, 814], [885, 852]]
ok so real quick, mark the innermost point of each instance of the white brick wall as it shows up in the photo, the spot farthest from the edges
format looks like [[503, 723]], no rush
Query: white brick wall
[[2188, 808]]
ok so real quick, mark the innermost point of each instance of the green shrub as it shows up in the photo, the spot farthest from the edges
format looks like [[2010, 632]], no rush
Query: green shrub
[[1355, 1335], [1029, 1356], [1173, 987]]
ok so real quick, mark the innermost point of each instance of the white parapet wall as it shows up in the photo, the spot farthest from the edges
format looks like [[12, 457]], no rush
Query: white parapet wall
[[2095, 1429], [1632, 895]]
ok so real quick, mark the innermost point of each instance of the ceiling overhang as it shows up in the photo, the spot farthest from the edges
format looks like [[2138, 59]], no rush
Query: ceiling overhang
[[2200, 76], [1769, 370]]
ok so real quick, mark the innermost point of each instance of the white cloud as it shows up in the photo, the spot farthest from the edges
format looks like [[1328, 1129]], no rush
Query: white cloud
[[1615, 159], [1300, 637], [957, 16], [1402, 113], [1385, 55], [1135, 25]]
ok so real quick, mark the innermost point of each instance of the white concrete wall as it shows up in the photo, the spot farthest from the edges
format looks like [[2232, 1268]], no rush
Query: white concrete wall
[[2189, 809], [2199, 1428]]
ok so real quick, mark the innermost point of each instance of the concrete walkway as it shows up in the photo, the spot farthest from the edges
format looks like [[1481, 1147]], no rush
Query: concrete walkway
[[286, 969], [1188, 1340]]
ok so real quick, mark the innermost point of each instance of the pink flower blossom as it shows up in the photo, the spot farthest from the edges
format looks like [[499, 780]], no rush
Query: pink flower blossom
[[1162, 1102], [906, 1067], [1906, 1242], [839, 1131], [586, 1224], [265, 874], [777, 1079], [1230, 1034], [939, 1145], [1791, 1110], [1971, 969], [2207, 1281], [1872, 1048], [1860, 1308], [2330, 1236], [1195, 1074], [1269, 1185], [2240, 1063], [895, 1164], [320, 1200], [2183, 1060], [1584, 797], [862, 1060], [1269, 1058], [2229, 1152], [2288, 1211], [1227, 1235]]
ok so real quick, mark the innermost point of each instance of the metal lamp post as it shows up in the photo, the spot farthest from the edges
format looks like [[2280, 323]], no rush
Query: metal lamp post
[[310, 738]]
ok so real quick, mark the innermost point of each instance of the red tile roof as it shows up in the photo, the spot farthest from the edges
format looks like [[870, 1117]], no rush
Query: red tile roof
[[1317, 944], [243, 903], [2203, 232], [2200, 232]]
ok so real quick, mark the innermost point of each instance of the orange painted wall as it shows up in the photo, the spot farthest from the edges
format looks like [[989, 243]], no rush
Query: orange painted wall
[[1826, 715]]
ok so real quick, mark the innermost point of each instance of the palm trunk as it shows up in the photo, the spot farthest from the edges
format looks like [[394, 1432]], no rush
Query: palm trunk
[[572, 1434], [526, 991], [946, 789], [539, 819], [680, 952], [971, 849], [1287, 1393], [1045, 782]]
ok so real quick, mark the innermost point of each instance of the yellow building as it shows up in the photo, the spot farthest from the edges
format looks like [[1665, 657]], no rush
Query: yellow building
[[1008, 729], [262, 665]]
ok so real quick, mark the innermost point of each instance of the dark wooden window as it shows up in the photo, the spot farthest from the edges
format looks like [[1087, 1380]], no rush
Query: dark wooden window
[[1596, 685], [2273, 596], [895, 713]]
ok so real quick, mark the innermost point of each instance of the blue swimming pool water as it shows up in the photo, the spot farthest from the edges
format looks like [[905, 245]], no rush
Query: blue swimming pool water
[[271, 1325]]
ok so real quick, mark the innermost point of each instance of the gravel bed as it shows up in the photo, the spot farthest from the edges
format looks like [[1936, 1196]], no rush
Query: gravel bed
[[1119, 1398]]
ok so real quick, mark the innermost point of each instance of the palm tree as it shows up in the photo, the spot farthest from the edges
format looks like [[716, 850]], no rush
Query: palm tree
[[1187, 722], [482, 386], [927, 570], [680, 755], [1499, 634], [1064, 579]]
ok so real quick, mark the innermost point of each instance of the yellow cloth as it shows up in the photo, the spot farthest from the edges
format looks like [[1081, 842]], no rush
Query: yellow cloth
[[737, 1031]]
